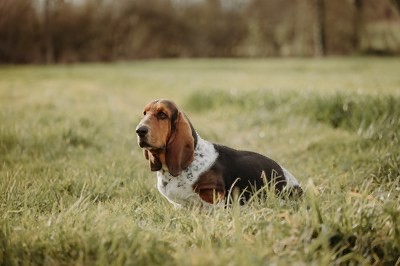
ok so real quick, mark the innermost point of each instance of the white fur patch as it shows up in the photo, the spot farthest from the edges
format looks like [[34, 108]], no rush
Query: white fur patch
[[291, 181], [179, 190]]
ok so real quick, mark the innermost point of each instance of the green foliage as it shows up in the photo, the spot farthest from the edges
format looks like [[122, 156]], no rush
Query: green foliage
[[374, 117], [203, 101], [76, 189], [357, 112]]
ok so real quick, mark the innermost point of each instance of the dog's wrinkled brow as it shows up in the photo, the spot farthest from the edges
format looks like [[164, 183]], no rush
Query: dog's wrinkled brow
[[173, 109]]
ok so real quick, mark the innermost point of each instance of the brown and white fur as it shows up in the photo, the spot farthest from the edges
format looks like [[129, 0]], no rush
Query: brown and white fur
[[191, 170]]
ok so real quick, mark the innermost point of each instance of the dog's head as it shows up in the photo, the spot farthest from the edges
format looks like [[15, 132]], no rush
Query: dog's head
[[167, 137]]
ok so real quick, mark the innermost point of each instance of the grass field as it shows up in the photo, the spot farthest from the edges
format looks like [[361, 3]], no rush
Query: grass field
[[76, 189]]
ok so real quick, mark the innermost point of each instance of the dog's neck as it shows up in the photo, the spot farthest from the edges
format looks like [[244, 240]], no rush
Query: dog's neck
[[204, 157]]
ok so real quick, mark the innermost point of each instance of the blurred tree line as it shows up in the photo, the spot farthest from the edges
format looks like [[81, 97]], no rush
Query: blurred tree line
[[53, 31]]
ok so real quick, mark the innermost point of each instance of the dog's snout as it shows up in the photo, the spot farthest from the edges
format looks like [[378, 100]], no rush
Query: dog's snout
[[142, 131]]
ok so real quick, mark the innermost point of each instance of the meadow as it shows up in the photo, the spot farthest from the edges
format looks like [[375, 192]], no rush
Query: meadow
[[75, 188]]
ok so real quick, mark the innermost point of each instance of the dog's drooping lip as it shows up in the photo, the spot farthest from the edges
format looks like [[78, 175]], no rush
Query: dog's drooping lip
[[143, 144]]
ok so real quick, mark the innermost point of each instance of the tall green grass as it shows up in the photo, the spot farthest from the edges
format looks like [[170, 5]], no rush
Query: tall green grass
[[76, 189]]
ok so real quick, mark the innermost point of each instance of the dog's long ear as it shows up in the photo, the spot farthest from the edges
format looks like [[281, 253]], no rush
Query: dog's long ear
[[180, 148], [155, 163]]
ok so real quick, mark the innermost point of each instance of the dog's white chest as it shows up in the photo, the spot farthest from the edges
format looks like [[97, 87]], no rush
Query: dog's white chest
[[179, 190]]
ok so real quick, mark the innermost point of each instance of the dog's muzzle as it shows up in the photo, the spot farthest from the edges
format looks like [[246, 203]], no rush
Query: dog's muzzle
[[142, 131]]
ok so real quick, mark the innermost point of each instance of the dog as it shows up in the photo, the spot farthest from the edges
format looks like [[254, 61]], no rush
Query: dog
[[191, 170]]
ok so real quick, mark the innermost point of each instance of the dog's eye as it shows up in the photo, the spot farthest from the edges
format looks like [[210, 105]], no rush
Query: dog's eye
[[162, 115], [144, 113]]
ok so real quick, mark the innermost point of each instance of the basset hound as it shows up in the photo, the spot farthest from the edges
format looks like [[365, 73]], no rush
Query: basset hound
[[191, 170]]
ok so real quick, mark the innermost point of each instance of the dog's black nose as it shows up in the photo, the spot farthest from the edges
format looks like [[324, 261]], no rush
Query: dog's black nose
[[142, 131]]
